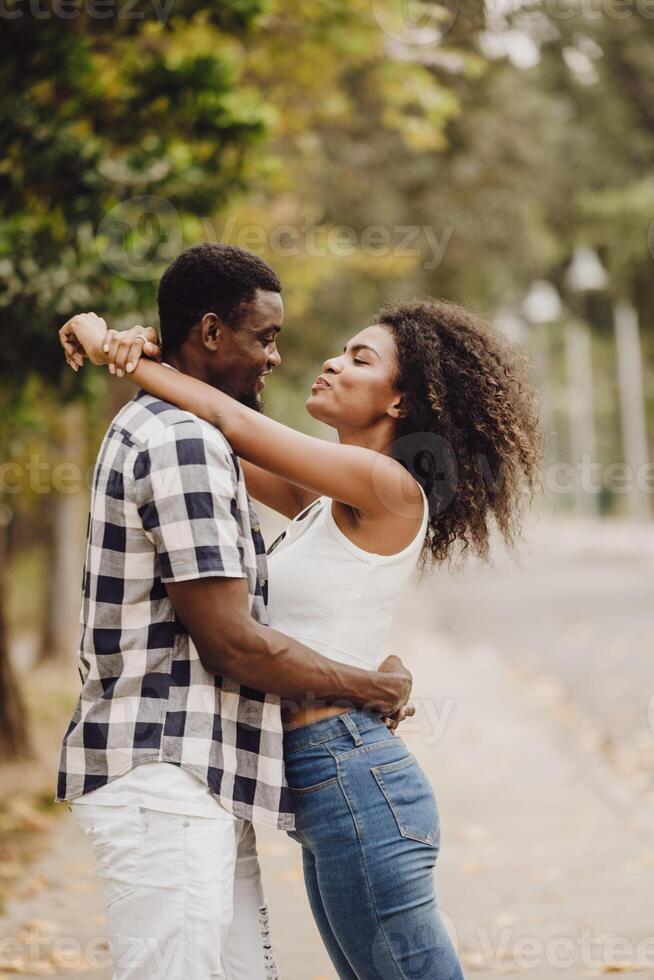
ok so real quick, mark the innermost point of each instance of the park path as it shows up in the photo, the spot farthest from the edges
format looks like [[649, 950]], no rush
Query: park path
[[547, 860]]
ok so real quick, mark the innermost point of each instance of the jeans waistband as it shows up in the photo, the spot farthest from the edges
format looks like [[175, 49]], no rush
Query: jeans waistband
[[355, 723]]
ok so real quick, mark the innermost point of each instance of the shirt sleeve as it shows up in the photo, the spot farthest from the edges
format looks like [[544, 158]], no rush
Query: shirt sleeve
[[185, 485]]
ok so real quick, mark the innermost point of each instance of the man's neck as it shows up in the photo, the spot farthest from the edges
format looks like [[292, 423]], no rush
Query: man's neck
[[189, 363]]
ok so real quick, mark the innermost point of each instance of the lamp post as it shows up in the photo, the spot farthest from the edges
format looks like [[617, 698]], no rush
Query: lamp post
[[541, 309], [632, 406], [585, 274]]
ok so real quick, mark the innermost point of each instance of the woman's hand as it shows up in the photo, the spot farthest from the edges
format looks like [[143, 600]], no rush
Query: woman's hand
[[123, 349], [86, 335], [81, 337]]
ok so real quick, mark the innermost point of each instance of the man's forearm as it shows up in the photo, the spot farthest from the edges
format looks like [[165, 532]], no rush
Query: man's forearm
[[273, 662], [216, 614]]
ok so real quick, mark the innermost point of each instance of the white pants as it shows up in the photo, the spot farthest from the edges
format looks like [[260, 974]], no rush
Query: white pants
[[183, 893]]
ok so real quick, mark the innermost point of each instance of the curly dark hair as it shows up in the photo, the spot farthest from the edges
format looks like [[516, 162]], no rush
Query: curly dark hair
[[209, 278], [471, 435]]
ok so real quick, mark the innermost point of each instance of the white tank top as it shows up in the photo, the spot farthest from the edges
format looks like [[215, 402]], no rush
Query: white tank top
[[331, 595]]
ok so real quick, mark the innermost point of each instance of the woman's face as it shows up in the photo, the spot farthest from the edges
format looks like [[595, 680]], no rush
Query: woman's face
[[356, 387]]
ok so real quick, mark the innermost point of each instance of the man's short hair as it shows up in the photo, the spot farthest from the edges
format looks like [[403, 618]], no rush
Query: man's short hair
[[209, 278]]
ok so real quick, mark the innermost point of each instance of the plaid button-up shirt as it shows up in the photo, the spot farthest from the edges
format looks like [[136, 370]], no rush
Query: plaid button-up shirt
[[169, 504]]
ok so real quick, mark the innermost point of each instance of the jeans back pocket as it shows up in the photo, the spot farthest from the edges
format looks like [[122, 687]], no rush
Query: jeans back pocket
[[410, 798]]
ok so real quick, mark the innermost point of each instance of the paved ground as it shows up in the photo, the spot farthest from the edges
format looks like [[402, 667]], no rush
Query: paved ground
[[580, 612], [547, 864]]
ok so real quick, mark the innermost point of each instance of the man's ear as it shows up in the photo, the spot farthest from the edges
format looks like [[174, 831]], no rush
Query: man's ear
[[398, 409], [211, 328]]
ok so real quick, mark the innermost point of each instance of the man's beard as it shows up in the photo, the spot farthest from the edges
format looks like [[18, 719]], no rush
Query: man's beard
[[252, 400]]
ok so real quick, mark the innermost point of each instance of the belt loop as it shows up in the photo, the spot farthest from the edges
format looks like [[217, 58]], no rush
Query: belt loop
[[350, 724]]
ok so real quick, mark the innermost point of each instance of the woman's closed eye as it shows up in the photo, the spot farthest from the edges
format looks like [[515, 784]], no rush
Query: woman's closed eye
[[358, 360]]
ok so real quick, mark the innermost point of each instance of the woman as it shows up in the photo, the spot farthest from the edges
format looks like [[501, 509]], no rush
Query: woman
[[438, 437]]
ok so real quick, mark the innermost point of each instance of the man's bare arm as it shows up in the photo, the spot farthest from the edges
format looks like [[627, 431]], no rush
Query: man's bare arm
[[215, 613]]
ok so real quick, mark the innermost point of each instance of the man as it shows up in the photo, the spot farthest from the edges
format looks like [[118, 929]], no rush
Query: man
[[175, 654]]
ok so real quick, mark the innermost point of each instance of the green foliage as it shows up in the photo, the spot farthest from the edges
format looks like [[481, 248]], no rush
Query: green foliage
[[127, 139], [97, 112]]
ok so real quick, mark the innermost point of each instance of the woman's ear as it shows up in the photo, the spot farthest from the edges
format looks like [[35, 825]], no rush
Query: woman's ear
[[210, 328], [398, 409]]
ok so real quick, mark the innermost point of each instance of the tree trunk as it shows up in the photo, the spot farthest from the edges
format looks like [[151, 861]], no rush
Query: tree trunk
[[14, 733], [64, 544]]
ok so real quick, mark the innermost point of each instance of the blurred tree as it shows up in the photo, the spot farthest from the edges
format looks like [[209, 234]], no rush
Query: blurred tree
[[602, 67], [117, 130], [63, 533], [538, 138], [355, 111], [14, 732], [599, 69], [115, 133]]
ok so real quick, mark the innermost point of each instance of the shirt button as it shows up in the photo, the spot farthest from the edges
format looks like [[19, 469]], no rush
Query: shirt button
[[256, 528], [262, 582], [186, 824]]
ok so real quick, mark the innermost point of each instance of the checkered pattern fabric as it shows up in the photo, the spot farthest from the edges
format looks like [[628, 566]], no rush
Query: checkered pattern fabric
[[169, 504]]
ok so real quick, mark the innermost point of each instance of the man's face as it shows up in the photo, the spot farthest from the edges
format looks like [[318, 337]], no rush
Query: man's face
[[248, 352]]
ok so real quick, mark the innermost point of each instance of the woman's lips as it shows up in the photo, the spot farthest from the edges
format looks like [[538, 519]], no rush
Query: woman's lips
[[319, 383]]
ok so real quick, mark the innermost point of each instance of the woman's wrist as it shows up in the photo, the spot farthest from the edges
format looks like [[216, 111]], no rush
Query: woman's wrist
[[125, 349]]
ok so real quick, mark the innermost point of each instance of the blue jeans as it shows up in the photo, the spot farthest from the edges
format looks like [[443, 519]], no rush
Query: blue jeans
[[367, 820]]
